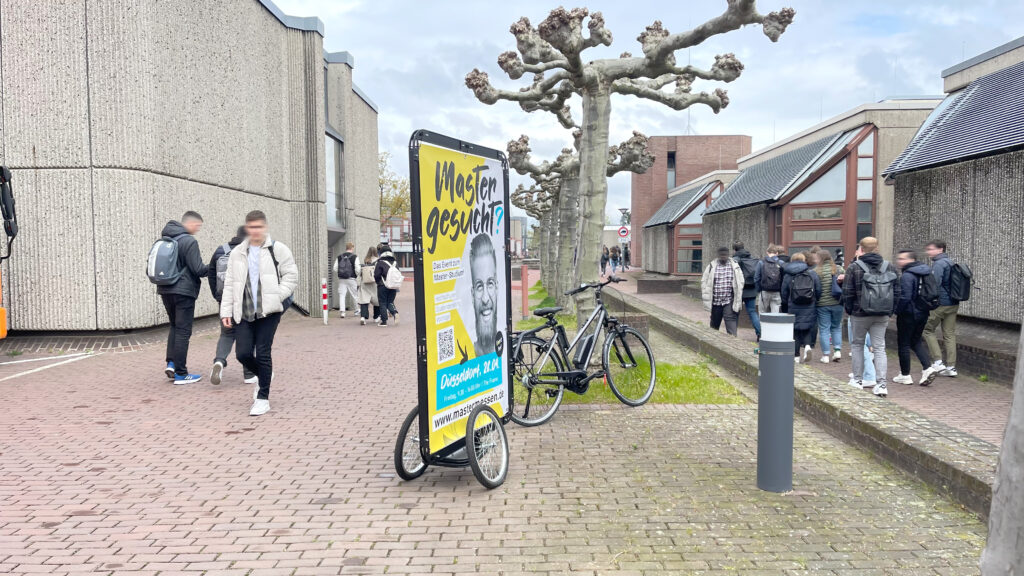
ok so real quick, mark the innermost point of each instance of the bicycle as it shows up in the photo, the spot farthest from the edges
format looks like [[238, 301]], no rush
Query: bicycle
[[542, 369]]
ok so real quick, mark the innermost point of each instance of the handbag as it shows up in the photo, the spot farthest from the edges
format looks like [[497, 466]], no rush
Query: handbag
[[837, 289]]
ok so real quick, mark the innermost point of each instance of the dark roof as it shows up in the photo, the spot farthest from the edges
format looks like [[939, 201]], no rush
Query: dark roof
[[983, 118], [763, 182], [674, 206]]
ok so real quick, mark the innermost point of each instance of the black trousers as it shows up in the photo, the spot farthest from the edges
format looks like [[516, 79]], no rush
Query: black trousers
[[253, 341], [803, 337], [386, 299], [181, 311], [724, 312], [909, 328]]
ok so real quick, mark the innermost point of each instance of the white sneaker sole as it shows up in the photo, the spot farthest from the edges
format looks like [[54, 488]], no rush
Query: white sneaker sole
[[215, 374]]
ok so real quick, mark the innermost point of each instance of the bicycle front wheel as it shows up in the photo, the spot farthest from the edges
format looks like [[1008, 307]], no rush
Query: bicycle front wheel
[[535, 402], [629, 366]]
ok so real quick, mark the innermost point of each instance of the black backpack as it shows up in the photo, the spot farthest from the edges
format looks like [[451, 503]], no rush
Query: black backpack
[[960, 278], [346, 266], [771, 276], [878, 290], [801, 289], [927, 298], [748, 266]]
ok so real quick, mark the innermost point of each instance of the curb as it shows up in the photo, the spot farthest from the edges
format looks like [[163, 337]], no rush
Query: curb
[[952, 462]]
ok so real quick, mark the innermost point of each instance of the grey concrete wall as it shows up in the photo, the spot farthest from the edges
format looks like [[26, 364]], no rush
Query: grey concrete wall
[[658, 244], [748, 225], [119, 115], [977, 207]]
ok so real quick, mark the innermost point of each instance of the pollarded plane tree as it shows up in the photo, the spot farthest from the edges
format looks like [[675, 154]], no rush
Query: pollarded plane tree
[[537, 201], [553, 53]]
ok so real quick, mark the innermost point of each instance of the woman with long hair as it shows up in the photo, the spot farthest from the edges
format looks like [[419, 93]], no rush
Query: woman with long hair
[[368, 288]]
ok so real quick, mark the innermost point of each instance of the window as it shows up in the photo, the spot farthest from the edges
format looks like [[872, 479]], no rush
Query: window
[[334, 168], [819, 213], [671, 170], [696, 216], [867, 146], [865, 167], [864, 210], [689, 230], [864, 230], [834, 235], [831, 187]]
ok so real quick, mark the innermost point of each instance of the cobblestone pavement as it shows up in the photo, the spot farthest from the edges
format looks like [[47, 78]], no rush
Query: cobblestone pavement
[[108, 468], [965, 403]]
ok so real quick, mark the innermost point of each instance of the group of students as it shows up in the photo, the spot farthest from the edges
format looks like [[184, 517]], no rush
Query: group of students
[[372, 282], [818, 292], [617, 257]]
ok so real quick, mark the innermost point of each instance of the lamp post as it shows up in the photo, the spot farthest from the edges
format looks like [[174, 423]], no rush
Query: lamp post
[[775, 404]]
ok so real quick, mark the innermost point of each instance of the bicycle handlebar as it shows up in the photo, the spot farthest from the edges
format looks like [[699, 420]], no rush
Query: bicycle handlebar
[[598, 285]]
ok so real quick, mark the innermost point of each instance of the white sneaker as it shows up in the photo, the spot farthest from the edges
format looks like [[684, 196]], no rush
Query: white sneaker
[[869, 384], [825, 360], [215, 374], [362, 321], [938, 366], [837, 356], [252, 380], [259, 408], [855, 383], [880, 390], [342, 313], [256, 390], [396, 319], [928, 376], [903, 379], [796, 359], [377, 320], [807, 352], [949, 371]]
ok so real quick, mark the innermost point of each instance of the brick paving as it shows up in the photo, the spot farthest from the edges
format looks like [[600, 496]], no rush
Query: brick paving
[[108, 468], [966, 403]]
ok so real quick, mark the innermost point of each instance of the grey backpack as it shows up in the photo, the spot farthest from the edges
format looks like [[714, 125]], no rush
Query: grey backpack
[[163, 266], [878, 290], [222, 268]]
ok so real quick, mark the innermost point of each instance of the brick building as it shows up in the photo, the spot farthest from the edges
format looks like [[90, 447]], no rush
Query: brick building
[[678, 159]]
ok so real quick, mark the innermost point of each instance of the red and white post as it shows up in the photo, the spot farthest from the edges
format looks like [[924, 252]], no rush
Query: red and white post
[[323, 288]]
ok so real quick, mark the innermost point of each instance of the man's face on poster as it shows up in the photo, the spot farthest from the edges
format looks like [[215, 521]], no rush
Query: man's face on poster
[[483, 270]]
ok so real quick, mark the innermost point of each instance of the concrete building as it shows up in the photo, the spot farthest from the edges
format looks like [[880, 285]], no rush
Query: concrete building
[[118, 116], [517, 235], [961, 179], [822, 186], [678, 159]]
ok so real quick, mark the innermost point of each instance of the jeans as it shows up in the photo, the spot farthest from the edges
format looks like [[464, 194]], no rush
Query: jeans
[[386, 299], [751, 305], [615, 264], [769, 302], [224, 343], [830, 321], [874, 326], [181, 311], [347, 287], [724, 312], [946, 316], [909, 327], [869, 360], [253, 342]]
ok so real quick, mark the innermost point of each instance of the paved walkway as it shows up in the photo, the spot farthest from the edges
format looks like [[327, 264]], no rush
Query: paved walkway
[[965, 403], [108, 468]]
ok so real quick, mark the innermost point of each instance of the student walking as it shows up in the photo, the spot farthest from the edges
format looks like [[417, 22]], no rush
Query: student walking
[[945, 314], [721, 288], [625, 256], [748, 265], [871, 291], [368, 288], [867, 352], [768, 281], [179, 298], [605, 257], [347, 268], [218, 270], [801, 289], [258, 286], [385, 295], [615, 258], [919, 295], [830, 311]]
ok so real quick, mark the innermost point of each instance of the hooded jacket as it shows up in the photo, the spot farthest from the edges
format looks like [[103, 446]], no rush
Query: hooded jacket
[[853, 280], [941, 267], [189, 258], [806, 316], [749, 290], [384, 262], [909, 286], [211, 277]]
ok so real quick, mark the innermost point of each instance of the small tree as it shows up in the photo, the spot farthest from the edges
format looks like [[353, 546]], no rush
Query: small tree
[[395, 200]]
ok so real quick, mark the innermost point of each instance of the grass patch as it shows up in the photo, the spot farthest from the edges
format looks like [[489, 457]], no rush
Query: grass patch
[[14, 352], [676, 384]]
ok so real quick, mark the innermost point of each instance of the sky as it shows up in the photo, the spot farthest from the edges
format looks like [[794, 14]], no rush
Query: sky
[[411, 59]]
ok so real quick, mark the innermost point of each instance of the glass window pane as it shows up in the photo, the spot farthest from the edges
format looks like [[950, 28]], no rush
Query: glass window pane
[[865, 189], [865, 167], [671, 172], [688, 230], [330, 155], [864, 211], [831, 187], [819, 213], [867, 146], [687, 255], [696, 216], [864, 230], [817, 235]]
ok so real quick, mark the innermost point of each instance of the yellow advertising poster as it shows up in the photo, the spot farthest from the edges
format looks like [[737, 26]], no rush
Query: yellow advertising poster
[[459, 204]]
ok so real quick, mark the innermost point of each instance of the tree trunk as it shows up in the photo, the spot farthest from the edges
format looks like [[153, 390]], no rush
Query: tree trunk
[[568, 218], [545, 243], [551, 271], [593, 188], [1004, 552]]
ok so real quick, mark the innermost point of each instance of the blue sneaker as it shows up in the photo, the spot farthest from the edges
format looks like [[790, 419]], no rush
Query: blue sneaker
[[169, 371], [187, 379]]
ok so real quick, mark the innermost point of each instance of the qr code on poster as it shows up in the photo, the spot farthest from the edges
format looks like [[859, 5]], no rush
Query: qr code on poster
[[445, 344]]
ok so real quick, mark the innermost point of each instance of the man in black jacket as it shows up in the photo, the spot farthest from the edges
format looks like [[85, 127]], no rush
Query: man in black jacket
[[180, 298], [215, 279], [748, 265], [911, 319]]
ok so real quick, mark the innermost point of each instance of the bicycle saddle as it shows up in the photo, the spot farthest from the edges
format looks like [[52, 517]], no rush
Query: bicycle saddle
[[546, 312]]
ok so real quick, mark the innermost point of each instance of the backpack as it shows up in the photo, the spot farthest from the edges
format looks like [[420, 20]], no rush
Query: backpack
[[287, 302], [878, 290], [393, 279], [748, 266], [960, 278], [801, 289], [771, 276], [927, 298], [367, 273], [346, 266], [222, 268], [163, 266]]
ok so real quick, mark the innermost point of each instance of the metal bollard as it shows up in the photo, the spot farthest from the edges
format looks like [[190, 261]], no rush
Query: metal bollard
[[775, 404], [524, 282]]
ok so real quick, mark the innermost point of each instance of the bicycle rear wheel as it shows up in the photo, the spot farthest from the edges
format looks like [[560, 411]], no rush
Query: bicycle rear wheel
[[629, 366], [487, 447], [534, 402]]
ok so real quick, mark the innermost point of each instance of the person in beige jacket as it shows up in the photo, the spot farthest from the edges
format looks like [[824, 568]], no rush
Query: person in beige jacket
[[258, 286], [721, 289]]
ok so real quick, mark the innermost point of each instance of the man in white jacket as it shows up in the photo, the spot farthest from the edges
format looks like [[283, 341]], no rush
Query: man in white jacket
[[721, 289], [260, 280]]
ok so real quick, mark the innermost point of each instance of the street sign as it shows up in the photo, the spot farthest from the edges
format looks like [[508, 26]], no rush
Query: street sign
[[460, 208], [623, 233]]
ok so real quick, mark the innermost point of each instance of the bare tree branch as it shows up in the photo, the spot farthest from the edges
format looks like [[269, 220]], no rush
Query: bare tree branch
[[632, 155]]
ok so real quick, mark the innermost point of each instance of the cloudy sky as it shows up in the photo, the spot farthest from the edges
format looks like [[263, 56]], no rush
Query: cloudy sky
[[411, 58]]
